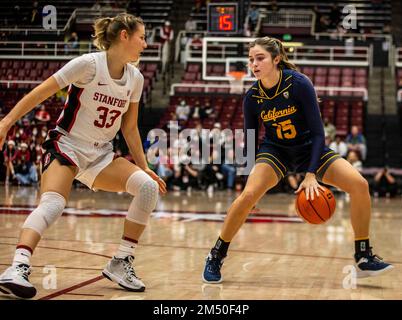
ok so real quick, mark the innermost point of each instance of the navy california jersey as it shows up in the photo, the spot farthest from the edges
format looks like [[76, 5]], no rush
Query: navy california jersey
[[291, 116]]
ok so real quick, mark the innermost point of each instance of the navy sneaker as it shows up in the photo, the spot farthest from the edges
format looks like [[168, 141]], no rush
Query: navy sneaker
[[371, 265], [213, 265]]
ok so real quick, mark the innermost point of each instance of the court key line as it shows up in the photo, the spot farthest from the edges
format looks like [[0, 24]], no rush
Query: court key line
[[67, 290]]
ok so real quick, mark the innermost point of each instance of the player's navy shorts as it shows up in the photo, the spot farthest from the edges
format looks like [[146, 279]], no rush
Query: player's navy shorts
[[286, 159]]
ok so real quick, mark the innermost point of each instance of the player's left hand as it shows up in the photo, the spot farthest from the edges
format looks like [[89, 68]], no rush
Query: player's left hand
[[159, 180], [310, 186]]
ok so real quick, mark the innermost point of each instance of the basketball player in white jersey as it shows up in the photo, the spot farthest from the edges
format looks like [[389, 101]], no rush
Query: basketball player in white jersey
[[104, 94]]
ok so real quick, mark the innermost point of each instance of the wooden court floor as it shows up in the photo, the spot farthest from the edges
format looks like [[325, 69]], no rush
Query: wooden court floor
[[274, 256]]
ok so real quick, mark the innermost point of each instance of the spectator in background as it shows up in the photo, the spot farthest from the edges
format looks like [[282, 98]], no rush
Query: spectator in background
[[10, 156], [25, 170], [329, 129], [215, 135], [190, 24], [196, 110], [196, 42], [183, 111], [321, 21], [166, 35], [253, 15], [164, 166], [357, 142], [22, 133], [23, 154], [198, 4], [3, 37], [97, 5], [273, 6], [334, 16], [354, 160], [228, 169], [72, 45], [173, 123], [41, 115], [207, 111], [17, 16], [35, 16], [385, 184], [41, 136], [339, 146]]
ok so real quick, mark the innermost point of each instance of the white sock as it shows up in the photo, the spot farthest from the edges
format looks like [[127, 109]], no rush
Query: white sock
[[127, 248], [22, 256]]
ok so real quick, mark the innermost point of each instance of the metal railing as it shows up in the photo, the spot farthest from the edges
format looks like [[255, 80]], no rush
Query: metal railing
[[208, 86], [8, 83], [288, 19], [221, 50], [61, 50]]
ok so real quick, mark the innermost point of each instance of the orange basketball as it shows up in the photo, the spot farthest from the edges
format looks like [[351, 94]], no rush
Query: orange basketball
[[317, 211]]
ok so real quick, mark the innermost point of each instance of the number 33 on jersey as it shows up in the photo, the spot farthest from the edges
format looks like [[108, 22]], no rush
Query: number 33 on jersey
[[94, 112]]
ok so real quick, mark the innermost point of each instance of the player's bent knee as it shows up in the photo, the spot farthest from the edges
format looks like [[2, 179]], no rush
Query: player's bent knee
[[361, 185], [144, 202], [50, 208], [248, 196], [357, 186], [149, 195], [135, 182]]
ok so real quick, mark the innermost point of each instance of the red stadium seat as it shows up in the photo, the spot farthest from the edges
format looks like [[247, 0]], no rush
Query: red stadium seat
[[334, 71], [320, 80], [320, 71], [333, 81], [347, 72], [361, 72]]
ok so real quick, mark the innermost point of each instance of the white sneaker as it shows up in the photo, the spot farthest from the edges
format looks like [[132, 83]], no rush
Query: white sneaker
[[122, 272], [15, 280]]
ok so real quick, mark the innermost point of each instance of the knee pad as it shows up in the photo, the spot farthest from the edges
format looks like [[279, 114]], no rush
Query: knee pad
[[145, 191], [50, 208]]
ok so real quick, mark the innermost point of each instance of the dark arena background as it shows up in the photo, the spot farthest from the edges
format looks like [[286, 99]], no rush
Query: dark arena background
[[196, 73]]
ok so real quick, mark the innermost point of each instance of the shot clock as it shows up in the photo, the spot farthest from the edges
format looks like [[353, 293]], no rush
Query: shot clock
[[223, 18]]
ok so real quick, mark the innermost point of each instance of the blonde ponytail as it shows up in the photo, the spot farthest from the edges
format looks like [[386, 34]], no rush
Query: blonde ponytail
[[107, 30], [101, 26]]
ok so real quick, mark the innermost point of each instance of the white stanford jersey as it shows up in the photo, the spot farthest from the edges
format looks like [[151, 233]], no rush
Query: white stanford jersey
[[93, 112]]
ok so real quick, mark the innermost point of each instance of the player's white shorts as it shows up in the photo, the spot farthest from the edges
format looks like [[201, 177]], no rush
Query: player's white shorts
[[89, 158]]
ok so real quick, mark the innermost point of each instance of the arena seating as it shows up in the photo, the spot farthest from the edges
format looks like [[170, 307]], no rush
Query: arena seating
[[39, 70], [228, 111], [153, 12]]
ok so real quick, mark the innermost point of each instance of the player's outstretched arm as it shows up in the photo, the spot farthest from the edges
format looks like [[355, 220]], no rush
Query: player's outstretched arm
[[46, 89]]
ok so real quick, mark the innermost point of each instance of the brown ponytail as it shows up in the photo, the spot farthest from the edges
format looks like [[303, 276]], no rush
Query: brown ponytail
[[275, 48], [107, 30]]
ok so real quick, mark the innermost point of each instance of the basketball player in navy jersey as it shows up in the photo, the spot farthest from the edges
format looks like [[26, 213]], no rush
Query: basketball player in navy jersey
[[104, 95], [286, 102]]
